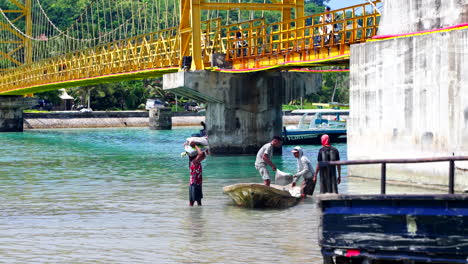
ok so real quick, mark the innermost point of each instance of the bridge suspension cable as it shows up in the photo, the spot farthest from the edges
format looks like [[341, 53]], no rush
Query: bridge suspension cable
[[16, 28], [249, 46], [102, 21], [64, 33], [106, 21]]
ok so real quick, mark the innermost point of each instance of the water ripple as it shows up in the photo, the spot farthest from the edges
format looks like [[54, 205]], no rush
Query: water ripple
[[120, 196]]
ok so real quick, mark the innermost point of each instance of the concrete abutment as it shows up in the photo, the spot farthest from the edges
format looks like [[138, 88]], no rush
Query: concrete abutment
[[243, 110], [409, 96], [11, 112]]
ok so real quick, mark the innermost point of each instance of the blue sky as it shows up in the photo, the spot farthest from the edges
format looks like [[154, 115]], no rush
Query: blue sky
[[336, 4]]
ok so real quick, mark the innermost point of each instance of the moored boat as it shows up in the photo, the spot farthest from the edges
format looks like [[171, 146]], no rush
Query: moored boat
[[304, 133], [254, 195]]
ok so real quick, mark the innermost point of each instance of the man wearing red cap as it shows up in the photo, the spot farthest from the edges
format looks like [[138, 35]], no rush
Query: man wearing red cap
[[328, 180]]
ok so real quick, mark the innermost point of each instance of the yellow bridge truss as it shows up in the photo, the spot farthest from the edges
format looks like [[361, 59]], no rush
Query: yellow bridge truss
[[22, 43], [248, 46]]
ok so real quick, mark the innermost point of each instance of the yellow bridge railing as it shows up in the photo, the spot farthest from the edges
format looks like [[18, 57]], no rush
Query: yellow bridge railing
[[157, 53], [322, 39], [310, 39]]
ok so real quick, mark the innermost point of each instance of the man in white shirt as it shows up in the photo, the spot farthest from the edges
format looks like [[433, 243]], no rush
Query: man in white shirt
[[305, 170], [264, 156], [326, 19]]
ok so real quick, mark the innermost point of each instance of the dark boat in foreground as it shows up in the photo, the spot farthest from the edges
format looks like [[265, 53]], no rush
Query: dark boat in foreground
[[254, 195], [394, 229]]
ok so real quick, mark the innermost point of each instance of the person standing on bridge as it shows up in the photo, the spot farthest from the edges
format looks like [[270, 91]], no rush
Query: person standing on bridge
[[326, 19], [264, 156], [328, 180], [240, 45], [196, 179]]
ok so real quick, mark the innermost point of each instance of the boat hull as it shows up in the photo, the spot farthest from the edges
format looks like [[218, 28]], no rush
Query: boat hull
[[299, 137], [253, 195], [421, 228]]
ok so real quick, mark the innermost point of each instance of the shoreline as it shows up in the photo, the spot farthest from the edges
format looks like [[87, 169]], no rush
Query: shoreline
[[102, 119]]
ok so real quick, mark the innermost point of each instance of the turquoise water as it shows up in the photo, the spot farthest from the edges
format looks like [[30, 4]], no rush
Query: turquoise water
[[121, 196]]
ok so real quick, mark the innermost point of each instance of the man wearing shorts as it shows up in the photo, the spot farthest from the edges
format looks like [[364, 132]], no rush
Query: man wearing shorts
[[264, 156]]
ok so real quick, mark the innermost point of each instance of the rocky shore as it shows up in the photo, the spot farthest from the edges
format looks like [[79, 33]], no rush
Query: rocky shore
[[113, 119]]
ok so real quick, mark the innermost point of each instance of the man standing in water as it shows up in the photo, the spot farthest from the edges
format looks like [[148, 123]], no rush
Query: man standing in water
[[196, 178], [304, 169], [264, 156], [328, 180], [203, 131]]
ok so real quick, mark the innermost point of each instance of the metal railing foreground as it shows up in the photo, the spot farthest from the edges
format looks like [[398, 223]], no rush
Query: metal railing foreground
[[384, 162]]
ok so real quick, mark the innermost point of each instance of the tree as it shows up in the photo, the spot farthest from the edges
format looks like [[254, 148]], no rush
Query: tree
[[335, 87], [52, 96]]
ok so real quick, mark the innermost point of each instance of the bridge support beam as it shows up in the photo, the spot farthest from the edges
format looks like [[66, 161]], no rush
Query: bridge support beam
[[243, 110], [11, 112]]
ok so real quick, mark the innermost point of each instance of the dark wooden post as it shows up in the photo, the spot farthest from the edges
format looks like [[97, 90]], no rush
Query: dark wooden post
[[452, 177], [383, 178]]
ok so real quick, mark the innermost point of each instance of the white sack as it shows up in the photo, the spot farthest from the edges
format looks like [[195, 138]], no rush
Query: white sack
[[283, 178]]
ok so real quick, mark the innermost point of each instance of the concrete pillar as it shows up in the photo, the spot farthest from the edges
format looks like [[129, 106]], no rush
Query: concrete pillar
[[160, 118], [249, 116], [11, 112], [409, 96], [243, 110]]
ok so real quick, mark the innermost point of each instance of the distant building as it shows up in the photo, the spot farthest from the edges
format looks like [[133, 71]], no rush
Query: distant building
[[66, 102]]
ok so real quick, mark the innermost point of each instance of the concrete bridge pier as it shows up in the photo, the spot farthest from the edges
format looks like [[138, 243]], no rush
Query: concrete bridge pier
[[243, 110], [11, 112], [160, 119]]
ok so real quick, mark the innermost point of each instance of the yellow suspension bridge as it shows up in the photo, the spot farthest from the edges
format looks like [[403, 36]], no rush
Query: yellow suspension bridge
[[83, 54]]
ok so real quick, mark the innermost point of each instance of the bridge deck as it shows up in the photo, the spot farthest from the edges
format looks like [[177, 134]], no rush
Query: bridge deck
[[247, 46]]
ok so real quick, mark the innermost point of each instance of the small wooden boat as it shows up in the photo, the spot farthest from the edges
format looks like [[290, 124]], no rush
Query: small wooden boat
[[254, 195]]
